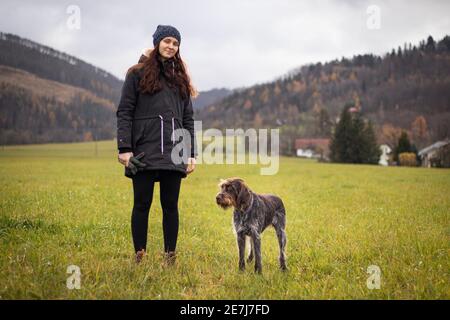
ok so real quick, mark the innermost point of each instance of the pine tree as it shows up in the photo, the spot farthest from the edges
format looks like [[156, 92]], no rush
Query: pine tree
[[357, 143], [431, 44], [371, 152], [354, 141], [340, 143], [403, 145]]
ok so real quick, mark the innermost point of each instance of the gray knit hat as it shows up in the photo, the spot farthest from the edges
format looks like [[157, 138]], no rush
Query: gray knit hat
[[163, 31]]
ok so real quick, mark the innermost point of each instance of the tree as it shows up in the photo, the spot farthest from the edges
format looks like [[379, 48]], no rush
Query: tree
[[431, 44], [257, 120], [390, 135], [419, 131], [444, 44], [357, 140], [403, 145], [371, 152], [353, 140], [324, 123], [341, 140]]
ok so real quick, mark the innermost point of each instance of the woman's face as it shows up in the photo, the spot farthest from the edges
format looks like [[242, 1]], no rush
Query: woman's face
[[168, 47]]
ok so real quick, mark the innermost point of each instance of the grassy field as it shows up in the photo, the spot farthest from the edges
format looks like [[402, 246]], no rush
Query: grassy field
[[65, 204]]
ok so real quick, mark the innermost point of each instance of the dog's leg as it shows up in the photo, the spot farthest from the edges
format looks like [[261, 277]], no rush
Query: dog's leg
[[279, 224], [241, 247], [281, 235], [252, 249], [257, 247]]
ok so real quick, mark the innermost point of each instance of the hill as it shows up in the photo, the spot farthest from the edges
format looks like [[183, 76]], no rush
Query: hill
[[38, 110], [393, 91]]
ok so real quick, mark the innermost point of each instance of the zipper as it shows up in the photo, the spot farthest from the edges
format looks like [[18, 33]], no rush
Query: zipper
[[162, 134]]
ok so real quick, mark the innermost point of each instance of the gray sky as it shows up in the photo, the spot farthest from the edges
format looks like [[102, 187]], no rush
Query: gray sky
[[227, 43]]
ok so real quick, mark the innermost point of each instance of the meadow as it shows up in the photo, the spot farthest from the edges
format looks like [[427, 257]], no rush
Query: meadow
[[70, 204]]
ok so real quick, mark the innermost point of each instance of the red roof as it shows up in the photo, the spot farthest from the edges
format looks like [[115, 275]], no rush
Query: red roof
[[307, 143]]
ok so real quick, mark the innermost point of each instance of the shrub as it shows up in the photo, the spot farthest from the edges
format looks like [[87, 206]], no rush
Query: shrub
[[407, 159]]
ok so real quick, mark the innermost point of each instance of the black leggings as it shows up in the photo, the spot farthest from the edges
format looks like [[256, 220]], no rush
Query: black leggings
[[143, 183]]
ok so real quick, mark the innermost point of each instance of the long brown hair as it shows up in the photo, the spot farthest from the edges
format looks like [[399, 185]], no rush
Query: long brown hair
[[173, 71]]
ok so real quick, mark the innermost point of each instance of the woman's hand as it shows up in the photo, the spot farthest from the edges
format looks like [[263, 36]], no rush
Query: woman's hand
[[191, 165], [124, 158]]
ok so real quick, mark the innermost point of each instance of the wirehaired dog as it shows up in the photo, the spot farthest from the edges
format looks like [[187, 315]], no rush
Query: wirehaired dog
[[252, 214]]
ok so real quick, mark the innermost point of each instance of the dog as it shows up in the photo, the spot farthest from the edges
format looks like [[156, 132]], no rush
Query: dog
[[252, 214]]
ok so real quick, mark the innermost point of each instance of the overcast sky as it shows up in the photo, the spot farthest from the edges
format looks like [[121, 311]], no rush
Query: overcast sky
[[227, 43]]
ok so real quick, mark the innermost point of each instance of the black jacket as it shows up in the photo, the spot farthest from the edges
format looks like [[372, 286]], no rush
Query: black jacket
[[145, 123]]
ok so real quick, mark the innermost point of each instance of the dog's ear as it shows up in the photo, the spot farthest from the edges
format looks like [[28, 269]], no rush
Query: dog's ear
[[243, 194]]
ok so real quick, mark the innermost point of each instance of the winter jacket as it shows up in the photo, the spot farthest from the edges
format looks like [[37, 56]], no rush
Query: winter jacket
[[146, 123]]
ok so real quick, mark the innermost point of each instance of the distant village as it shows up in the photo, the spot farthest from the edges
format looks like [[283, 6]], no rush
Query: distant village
[[435, 155], [402, 153]]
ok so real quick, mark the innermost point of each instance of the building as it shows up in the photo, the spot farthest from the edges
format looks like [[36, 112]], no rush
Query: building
[[312, 148], [436, 155]]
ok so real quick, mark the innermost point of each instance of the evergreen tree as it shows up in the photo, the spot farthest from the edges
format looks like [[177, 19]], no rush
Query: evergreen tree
[[403, 145], [341, 140], [354, 141], [371, 151], [431, 44], [357, 141]]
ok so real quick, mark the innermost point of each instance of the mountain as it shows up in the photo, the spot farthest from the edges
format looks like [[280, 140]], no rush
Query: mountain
[[206, 98], [37, 110], [49, 96], [51, 64], [404, 89]]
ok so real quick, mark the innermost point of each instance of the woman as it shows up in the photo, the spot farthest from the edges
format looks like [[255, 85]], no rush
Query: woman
[[155, 101]]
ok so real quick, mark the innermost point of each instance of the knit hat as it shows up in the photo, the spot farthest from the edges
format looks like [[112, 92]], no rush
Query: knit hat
[[163, 31]]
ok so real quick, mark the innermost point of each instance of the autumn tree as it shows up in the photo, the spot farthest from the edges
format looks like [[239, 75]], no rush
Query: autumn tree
[[324, 124], [419, 131]]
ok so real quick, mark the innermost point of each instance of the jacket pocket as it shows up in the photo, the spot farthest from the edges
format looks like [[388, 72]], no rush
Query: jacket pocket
[[150, 139], [138, 132]]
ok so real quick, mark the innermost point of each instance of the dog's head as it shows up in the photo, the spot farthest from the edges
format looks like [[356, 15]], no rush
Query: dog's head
[[233, 193]]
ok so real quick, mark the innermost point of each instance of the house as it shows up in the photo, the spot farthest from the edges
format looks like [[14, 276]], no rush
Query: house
[[384, 157], [436, 155], [312, 148]]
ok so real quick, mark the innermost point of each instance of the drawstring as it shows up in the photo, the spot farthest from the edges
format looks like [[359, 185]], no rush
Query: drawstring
[[172, 137], [173, 68], [173, 133], [162, 134]]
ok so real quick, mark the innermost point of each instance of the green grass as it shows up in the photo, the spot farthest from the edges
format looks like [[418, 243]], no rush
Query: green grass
[[64, 204]]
